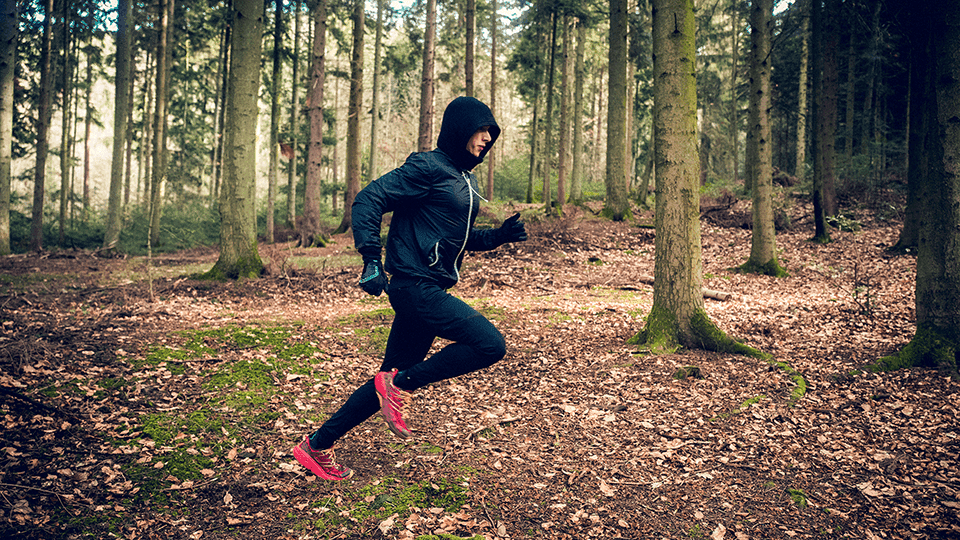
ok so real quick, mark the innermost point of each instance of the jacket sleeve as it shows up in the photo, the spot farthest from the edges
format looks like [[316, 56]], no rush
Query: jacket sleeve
[[483, 240], [405, 184]]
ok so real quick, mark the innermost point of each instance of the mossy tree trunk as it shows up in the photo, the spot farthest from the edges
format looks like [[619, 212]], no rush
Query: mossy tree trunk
[[677, 316], [937, 341], [763, 249], [238, 221]]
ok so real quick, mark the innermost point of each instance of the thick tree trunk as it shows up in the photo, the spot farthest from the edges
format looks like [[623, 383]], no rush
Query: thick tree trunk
[[239, 257], [821, 233], [8, 54], [677, 316], [937, 340], [829, 104], [309, 229], [425, 138], [121, 111], [617, 206], [353, 118], [763, 250]]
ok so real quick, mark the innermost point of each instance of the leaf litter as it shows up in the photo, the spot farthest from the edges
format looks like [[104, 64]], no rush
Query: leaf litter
[[113, 426]]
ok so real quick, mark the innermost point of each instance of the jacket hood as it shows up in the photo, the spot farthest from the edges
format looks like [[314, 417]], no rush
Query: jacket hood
[[461, 119]]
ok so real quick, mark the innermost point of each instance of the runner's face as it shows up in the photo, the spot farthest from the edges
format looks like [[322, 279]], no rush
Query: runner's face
[[479, 140]]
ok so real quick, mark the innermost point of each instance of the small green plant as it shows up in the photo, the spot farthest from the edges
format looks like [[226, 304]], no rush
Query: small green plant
[[695, 531], [798, 497]]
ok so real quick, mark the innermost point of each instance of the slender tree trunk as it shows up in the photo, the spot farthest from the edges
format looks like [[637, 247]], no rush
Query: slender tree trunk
[[821, 233], [8, 53], [535, 123], [121, 108], [66, 88], [43, 128], [160, 120], [829, 107], [616, 206], [579, 74], [239, 257], [799, 167], [763, 250], [425, 138], [273, 172], [471, 24], [491, 157], [310, 229], [564, 161], [87, 129], [294, 122], [548, 152], [373, 173], [353, 118], [849, 118], [128, 160], [734, 101]]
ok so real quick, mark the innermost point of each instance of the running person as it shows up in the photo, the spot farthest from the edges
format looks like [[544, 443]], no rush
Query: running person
[[434, 200]]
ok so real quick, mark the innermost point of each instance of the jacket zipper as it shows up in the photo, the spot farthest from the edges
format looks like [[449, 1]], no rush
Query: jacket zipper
[[469, 215]]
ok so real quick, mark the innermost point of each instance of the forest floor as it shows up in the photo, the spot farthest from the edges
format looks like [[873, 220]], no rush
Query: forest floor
[[167, 408]]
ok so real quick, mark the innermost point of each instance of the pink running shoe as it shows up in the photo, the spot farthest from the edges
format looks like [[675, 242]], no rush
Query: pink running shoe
[[392, 402], [321, 462]]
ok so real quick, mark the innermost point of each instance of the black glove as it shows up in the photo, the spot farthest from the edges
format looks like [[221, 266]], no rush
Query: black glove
[[373, 280], [512, 230]]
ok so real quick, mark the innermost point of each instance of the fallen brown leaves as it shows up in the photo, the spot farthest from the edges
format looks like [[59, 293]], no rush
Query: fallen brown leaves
[[573, 435]]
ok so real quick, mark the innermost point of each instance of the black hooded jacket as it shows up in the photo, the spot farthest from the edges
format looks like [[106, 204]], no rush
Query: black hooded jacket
[[434, 200]]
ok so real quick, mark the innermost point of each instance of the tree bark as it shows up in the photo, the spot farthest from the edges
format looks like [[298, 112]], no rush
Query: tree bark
[[937, 339], [353, 118], [548, 151], [821, 233], [294, 122], [579, 73], [471, 23], [121, 108], [66, 118], [491, 157], [799, 167], [274, 165], [564, 160], [43, 128], [425, 137], [763, 250], [677, 316], [309, 229], [373, 173], [159, 166], [9, 27], [239, 257], [616, 206]]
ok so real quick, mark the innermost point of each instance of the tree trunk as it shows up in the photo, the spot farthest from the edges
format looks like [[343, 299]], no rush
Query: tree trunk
[[677, 316], [425, 137], [294, 122], [917, 128], [373, 173], [309, 229], [564, 160], [471, 24], [937, 339], [829, 108], [821, 233], [87, 129], [121, 111], [239, 257], [43, 128], [66, 118], [548, 151], [273, 171], [616, 206], [160, 120], [849, 115], [579, 73], [763, 250], [734, 102], [353, 118], [799, 167], [491, 157], [8, 55]]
